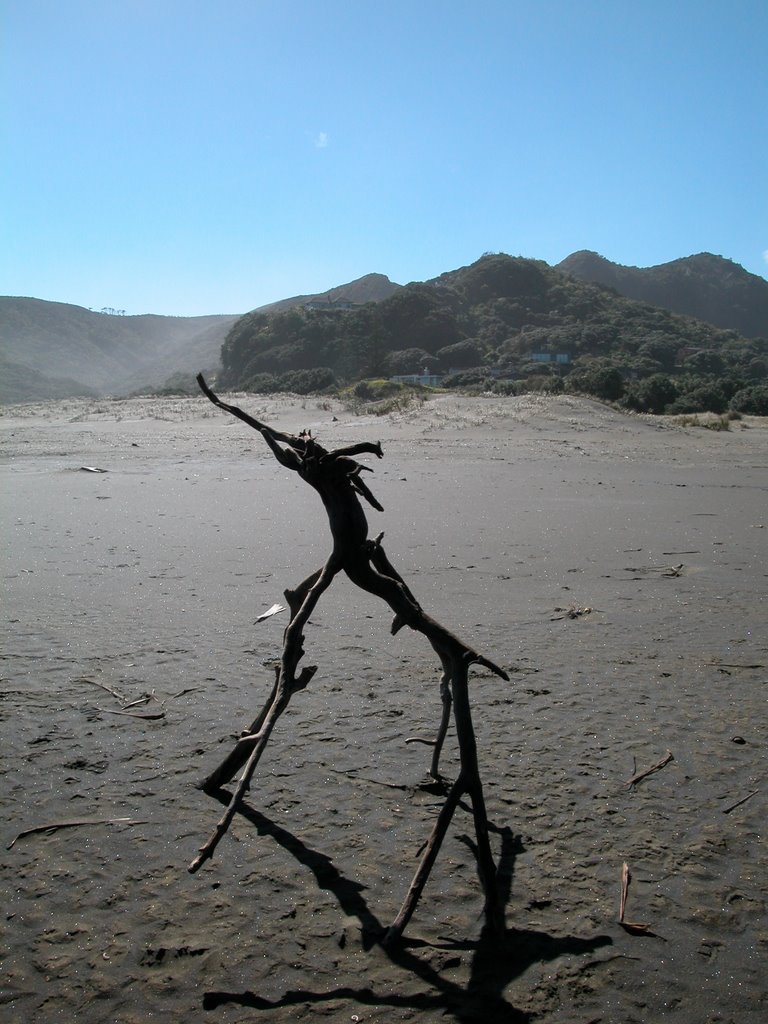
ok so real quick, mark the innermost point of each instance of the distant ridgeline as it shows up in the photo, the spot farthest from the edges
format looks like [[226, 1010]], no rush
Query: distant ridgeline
[[704, 286], [502, 324], [57, 350], [511, 324]]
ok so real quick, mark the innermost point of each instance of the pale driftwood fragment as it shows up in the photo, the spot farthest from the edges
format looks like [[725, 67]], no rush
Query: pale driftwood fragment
[[571, 613], [631, 926], [132, 714], [649, 771], [337, 479], [624, 890], [94, 682], [187, 689], [56, 825], [144, 699], [663, 570], [273, 610]]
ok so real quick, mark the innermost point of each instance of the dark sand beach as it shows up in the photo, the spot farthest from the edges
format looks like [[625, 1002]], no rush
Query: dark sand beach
[[614, 565]]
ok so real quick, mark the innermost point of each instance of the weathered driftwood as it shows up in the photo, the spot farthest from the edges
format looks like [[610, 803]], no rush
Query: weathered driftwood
[[639, 776], [336, 476], [78, 823]]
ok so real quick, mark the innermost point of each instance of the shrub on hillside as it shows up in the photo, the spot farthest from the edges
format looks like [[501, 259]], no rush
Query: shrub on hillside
[[708, 397], [653, 394], [752, 400], [468, 379], [262, 384], [304, 382], [460, 356], [599, 380], [410, 360]]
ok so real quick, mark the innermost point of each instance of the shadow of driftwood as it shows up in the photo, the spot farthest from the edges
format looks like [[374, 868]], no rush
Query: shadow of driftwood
[[496, 959]]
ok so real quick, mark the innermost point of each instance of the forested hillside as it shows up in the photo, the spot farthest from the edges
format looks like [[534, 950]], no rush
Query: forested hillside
[[506, 323], [704, 286], [55, 350], [369, 288]]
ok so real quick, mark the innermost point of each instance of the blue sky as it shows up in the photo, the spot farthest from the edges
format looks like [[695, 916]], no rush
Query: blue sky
[[188, 157]]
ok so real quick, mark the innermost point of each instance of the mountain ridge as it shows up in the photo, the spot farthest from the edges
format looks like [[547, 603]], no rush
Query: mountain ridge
[[704, 285], [368, 288], [504, 324], [52, 349]]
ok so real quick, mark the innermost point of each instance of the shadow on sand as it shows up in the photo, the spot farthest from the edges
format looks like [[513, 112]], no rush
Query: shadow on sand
[[496, 959]]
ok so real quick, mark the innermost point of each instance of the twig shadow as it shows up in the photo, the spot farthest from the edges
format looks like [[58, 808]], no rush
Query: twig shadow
[[497, 959]]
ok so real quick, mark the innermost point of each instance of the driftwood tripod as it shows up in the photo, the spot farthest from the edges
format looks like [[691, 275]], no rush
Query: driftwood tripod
[[337, 479]]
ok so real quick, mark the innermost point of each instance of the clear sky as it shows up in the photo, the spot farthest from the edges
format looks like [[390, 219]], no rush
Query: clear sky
[[209, 156]]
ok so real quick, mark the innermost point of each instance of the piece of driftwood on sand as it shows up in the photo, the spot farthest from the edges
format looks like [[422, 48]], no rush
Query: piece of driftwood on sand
[[56, 826], [633, 927], [337, 478], [639, 776]]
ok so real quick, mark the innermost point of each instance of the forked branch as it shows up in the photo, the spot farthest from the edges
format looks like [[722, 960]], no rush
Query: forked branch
[[337, 479]]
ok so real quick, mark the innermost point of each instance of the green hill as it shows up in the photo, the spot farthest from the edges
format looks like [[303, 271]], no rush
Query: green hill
[[708, 287], [53, 349], [502, 322], [370, 288]]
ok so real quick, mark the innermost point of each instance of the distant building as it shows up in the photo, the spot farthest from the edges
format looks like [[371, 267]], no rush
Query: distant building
[[550, 357], [430, 380]]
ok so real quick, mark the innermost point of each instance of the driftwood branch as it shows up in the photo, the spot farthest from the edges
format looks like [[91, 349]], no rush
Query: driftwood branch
[[732, 807], [336, 477], [58, 825], [633, 927], [151, 717], [649, 771]]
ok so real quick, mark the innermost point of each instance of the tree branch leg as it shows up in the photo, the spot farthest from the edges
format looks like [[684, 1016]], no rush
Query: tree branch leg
[[279, 704], [473, 786], [296, 598], [307, 593], [445, 697], [427, 862]]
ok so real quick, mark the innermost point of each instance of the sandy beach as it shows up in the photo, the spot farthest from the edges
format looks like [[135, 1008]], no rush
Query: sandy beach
[[614, 565]]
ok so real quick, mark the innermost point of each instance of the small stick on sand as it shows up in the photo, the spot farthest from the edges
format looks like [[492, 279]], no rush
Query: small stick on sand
[[664, 570], [630, 926], [624, 891], [130, 714], [732, 807], [187, 689], [571, 613], [728, 664], [95, 682], [649, 771], [55, 826], [139, 700]]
